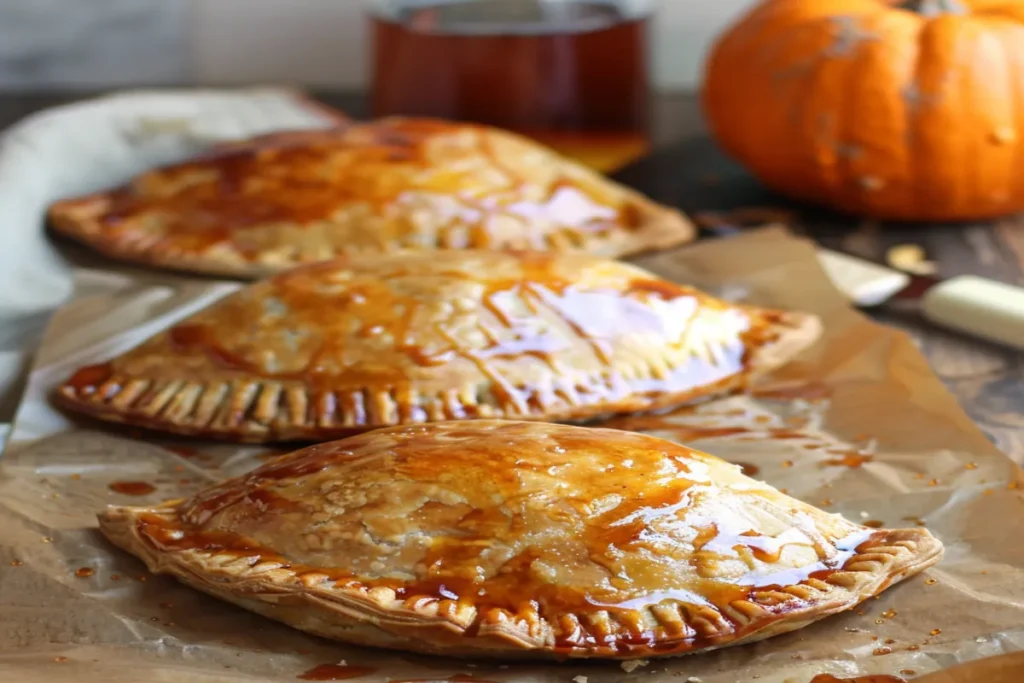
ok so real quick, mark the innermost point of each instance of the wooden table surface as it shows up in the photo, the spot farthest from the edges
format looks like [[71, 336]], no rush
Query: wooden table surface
[[686, 170]]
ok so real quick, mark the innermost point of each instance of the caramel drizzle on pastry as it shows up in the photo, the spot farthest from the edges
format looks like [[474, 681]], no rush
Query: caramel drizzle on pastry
[[602, 531], [535, 315], [380, 169]]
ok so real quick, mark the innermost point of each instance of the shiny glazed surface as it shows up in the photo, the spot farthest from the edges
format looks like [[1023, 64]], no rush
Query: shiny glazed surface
[[518, 539], [306, 177], [397, 183], [373, 320], [418, 337], [513, 516]]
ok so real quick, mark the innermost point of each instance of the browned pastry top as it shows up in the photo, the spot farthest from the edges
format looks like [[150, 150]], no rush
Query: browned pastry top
[[373, 341], [289, 198], [510, 535]]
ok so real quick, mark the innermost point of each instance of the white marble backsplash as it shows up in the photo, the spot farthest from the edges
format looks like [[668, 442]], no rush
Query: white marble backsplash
[[51, 44], [90, 44]]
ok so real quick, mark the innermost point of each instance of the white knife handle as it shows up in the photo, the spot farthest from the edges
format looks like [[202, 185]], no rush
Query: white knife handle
[[976, 306]]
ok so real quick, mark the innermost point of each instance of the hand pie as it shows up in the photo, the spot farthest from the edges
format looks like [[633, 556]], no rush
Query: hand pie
[[285, 199], [351, 344], [518, 539]]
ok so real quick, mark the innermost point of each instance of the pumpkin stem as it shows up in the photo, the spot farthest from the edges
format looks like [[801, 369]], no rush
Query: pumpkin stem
[[933, 8]]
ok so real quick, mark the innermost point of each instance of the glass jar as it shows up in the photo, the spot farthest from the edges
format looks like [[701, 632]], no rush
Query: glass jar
[[570, 73]]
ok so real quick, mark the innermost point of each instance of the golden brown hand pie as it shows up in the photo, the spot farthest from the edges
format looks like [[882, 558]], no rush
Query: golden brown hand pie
[[286, 199], [518, 539], [346, 345]]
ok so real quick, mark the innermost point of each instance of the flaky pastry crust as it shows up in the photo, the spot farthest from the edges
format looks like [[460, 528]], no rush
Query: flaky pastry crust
[[518, 540], [280, 200], [351, 344]]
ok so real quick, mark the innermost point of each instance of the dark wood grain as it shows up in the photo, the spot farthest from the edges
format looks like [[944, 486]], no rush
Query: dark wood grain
[[687, 170]]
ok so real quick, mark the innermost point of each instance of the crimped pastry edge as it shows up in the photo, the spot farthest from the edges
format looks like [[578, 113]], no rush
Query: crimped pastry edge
[[364, 615], [261, 411]]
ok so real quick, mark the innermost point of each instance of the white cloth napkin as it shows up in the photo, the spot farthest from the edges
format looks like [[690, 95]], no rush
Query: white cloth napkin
[[95, 144]]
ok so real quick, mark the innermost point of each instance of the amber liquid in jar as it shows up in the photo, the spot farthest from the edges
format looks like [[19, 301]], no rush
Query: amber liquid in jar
[[571, 73]]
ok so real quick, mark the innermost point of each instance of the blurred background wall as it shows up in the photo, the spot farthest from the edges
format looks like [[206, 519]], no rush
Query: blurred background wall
[[50, 45]]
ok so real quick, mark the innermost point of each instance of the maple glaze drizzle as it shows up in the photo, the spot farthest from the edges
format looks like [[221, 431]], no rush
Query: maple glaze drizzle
[[749, 469], [89, 379], [188, 337], [848, 458], [785, 434], [421, 311], [132, 488], [457, 678], [375, 168], [336, 672], [486, 463]]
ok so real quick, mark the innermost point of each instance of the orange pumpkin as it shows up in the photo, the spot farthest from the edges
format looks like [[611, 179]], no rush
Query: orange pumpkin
[[907, 111]]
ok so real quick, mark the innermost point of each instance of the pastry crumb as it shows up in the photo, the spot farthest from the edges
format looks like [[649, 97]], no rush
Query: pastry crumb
[[632, 665], [910, 258], [579, 679]]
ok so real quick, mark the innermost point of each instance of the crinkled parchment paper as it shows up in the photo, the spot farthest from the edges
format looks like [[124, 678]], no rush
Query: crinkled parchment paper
[[858, 426]]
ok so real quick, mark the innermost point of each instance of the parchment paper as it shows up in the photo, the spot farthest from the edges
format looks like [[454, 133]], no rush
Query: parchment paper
[[864, 395]]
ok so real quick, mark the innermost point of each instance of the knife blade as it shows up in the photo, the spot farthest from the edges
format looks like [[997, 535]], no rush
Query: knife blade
[[969, 304]]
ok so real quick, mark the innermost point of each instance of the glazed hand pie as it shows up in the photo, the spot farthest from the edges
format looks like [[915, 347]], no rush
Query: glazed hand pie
[[346, 345], [285, 199], [518, 539]]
